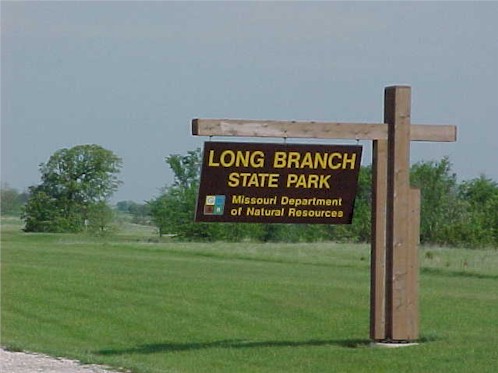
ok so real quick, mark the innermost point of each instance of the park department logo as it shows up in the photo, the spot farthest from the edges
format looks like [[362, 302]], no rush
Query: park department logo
[[214, 205]]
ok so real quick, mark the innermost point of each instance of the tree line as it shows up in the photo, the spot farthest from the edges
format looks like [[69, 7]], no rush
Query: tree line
[[76, 185], [452, 213]]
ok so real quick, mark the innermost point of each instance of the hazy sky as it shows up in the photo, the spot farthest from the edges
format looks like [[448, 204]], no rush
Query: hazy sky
[[130, 76]]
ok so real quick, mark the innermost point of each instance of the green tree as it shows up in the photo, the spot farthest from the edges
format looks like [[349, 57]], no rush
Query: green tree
[[123, 206], [12, 201], [161, 213], [41, 212], [140, 212], [73, 181], [173, 211], [479, 226], [99, 218], [186, 169], [439, 199]]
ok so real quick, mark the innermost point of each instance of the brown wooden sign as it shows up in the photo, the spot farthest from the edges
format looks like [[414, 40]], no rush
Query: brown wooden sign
[[278, 183], [394, 313]]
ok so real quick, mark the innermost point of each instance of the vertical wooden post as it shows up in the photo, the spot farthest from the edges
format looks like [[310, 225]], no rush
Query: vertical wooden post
[[397, 116], [378, 241], [413, 266]]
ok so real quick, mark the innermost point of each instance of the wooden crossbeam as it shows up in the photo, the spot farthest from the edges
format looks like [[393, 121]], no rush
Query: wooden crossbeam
[[317, 130]]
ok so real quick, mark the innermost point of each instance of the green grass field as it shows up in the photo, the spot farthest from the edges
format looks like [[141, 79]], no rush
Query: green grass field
[[147, 306]]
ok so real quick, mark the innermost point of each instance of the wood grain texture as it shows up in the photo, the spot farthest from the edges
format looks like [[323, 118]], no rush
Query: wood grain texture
[[397, 115], [378, 241], [317, 130]]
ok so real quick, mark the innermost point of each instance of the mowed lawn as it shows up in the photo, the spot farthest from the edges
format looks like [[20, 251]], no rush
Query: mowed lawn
[[132, 302]]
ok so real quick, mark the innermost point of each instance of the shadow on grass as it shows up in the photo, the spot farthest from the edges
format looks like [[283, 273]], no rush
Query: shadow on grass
[[231, 343]]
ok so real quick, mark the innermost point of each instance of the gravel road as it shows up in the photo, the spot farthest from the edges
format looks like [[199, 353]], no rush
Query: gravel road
[[22, 362]]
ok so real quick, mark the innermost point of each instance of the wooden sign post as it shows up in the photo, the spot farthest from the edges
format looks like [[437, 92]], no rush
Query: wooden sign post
[[394, 313]]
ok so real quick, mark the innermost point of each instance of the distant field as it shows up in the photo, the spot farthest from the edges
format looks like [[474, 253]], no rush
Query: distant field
[[131, 301]]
